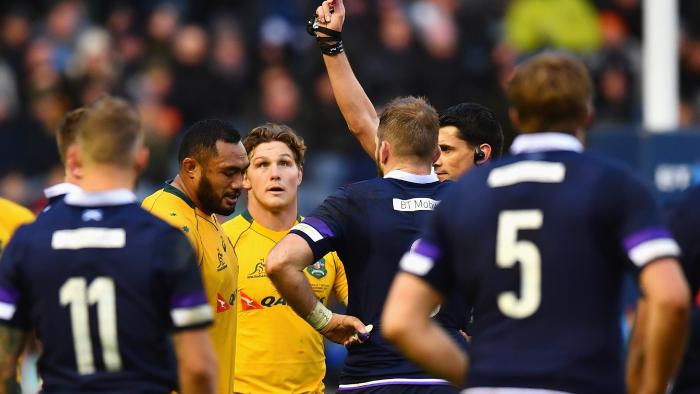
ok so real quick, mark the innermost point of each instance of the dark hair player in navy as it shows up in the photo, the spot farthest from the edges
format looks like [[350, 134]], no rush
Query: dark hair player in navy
[[685, 225], [369, 223], [538, 243], [108, 287]]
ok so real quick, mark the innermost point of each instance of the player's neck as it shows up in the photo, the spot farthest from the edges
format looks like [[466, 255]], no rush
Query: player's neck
[[408, 166], [70, 178], [281, 220], [189, 190], [100, 178]]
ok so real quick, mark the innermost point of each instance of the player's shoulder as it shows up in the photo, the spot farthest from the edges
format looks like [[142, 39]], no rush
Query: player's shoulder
[[237, 225], [171, 207], [15, 213]]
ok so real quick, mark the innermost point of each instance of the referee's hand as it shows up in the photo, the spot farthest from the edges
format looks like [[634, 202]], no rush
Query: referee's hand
[[346, 330], [331, 14]]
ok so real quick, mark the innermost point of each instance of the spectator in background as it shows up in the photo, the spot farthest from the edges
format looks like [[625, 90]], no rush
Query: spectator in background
[[531, 25], [193, 83]]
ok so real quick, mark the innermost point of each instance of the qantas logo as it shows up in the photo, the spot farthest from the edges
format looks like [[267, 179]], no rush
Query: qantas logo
[[247, 303], [221, 304]]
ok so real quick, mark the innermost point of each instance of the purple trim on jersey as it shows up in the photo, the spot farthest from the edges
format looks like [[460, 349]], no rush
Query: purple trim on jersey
[[645, 235], [407, 382], [427, 249], [8, 296], [187, 300], [320, 226]]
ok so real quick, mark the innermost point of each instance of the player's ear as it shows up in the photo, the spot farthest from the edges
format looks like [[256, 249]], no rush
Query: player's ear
[[73, 162], [300, 175], [384, 152], [514, 118], [436, 154], [188, 167], [141, 160], [246, 181], [488, 151]]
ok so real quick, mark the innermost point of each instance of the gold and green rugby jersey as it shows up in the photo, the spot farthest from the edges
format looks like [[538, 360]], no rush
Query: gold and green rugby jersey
[[277, 351], [11, 216], [219, 267]]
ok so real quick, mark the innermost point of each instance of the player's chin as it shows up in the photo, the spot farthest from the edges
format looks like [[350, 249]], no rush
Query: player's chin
[[277, 202], [442, 176], [227, 207]]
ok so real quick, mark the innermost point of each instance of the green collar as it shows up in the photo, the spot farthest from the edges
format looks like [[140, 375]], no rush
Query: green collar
[[249, 218], [168, 188]]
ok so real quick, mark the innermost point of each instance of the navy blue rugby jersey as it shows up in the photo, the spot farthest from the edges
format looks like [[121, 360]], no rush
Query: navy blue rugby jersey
[[57, 192], [371, 224], [104, 283], [538, 243], [685, 225]]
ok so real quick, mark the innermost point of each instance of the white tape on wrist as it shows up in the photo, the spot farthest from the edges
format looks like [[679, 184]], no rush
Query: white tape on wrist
[[319, 316]]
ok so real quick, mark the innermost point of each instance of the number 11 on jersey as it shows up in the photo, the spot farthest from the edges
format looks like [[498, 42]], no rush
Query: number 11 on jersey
[[78, 295]]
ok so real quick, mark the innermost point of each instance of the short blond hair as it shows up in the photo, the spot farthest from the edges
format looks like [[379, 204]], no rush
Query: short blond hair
[[410, 124], [110, 132], [551, 92]]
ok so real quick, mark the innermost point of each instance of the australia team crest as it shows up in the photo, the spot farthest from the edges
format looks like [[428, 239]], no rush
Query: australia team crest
[[318, 269]]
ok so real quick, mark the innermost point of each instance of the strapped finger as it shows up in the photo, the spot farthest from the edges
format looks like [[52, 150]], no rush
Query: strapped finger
[[320, 14], [326, 11]]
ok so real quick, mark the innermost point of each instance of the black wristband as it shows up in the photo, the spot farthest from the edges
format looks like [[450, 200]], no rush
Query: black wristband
[[332, 43]]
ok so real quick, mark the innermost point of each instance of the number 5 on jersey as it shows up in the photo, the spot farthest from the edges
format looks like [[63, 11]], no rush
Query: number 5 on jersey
[[509, 250]]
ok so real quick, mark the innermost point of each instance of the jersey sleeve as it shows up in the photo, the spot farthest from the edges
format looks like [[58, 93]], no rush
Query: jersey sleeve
[[14, 310], [325, 228], [188, 305], [684, 222], [641, 230], [429, 257], [340, 286]]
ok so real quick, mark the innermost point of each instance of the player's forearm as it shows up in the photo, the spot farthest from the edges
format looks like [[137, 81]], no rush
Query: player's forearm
[[197, 365], [285, 266], [294, 288], [11, 345], [664, 345], [356, 107], [429, 346], [203, 382], [635, 354]]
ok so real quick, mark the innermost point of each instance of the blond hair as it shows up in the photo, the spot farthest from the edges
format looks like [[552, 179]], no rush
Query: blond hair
[[410, 125], [110, 132]]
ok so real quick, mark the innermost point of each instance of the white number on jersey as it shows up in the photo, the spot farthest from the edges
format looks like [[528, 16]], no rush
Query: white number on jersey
[[78, 295], [509, 250]]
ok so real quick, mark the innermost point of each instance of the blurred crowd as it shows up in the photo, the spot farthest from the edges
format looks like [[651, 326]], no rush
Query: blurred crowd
[[251, 61]]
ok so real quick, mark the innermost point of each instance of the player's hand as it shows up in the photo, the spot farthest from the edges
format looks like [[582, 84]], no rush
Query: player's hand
[[346, 330], [331, 14]]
